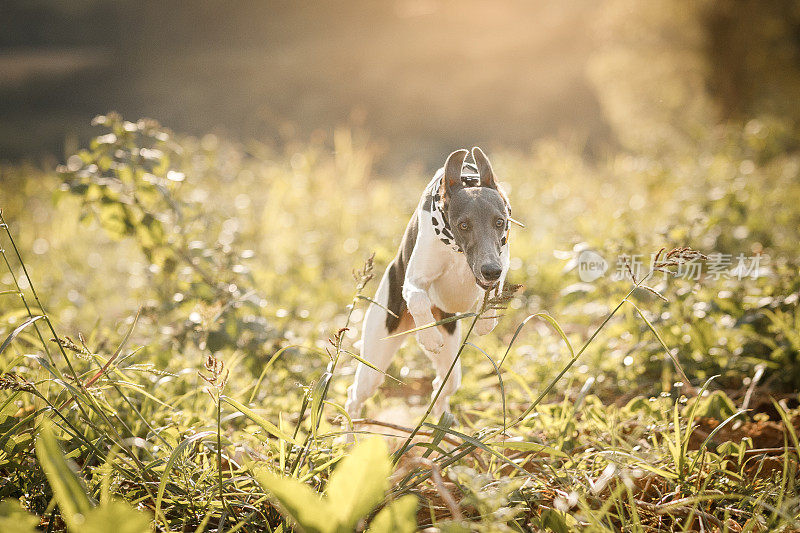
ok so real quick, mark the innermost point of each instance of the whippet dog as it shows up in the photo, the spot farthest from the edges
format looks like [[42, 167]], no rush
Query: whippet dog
[[454, 249]]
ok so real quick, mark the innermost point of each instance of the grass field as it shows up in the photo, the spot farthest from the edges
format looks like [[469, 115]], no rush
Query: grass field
[[178, 314]]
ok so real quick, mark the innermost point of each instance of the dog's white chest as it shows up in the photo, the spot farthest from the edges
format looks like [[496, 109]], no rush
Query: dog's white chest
[[455, 291]]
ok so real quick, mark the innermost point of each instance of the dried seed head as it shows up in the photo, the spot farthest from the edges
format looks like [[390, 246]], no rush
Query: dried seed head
[[630, 270], [217, 373], [364, 275], [15, 382], [676, 257], [337, 337], [69, 344], [503, 296]]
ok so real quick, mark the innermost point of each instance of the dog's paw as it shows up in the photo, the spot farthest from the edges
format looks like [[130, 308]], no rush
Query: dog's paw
[[431, 340], [485, 325]]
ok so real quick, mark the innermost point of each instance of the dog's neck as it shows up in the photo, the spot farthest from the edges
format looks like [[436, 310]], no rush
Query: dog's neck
[[441, 225]]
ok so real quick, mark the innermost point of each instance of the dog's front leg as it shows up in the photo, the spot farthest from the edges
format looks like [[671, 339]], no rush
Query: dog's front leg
[[419, 305], [421, 271]]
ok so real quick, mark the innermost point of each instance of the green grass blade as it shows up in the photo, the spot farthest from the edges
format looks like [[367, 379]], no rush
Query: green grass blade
[[432, 324], [499, 379], [542, 316], [317, 398], [174, 456], [528, 446], [652, 328], [370, 300], [788, 425], [13, 335], [269, 364], [478, 444], [265, 424], [446, 420], [372, 366]]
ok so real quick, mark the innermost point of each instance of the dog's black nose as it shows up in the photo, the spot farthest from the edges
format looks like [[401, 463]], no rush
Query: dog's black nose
[[491, 272]]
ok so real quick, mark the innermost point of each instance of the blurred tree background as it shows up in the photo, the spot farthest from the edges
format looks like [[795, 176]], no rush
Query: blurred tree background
[[666, 71], [422, 75]]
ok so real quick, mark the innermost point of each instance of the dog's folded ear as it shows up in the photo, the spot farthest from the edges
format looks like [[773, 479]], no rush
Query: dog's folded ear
[[452, 170], [484, 168]]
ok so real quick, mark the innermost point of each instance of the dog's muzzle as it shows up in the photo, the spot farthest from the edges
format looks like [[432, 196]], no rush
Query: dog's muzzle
[[485, 285]]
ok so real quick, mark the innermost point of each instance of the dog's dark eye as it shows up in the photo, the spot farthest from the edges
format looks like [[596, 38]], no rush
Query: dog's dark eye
[[500, 223], [463, 226]]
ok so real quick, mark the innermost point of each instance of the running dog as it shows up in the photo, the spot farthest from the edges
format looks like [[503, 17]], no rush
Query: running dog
[[454, 249]]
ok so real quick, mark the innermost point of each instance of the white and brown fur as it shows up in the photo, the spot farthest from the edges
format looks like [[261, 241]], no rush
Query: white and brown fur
[[429, 280]]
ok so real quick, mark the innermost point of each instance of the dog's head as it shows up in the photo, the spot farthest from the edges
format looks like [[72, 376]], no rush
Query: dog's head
[[477, 215]]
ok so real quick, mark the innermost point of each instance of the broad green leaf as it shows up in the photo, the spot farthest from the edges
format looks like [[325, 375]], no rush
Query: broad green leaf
[[302, 503], [554, 521], [398, 517], [15, 519], [715, 405], [116, 517], [641, 404], [113, 218], [61, 473], [359, 482], [150, 232]]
